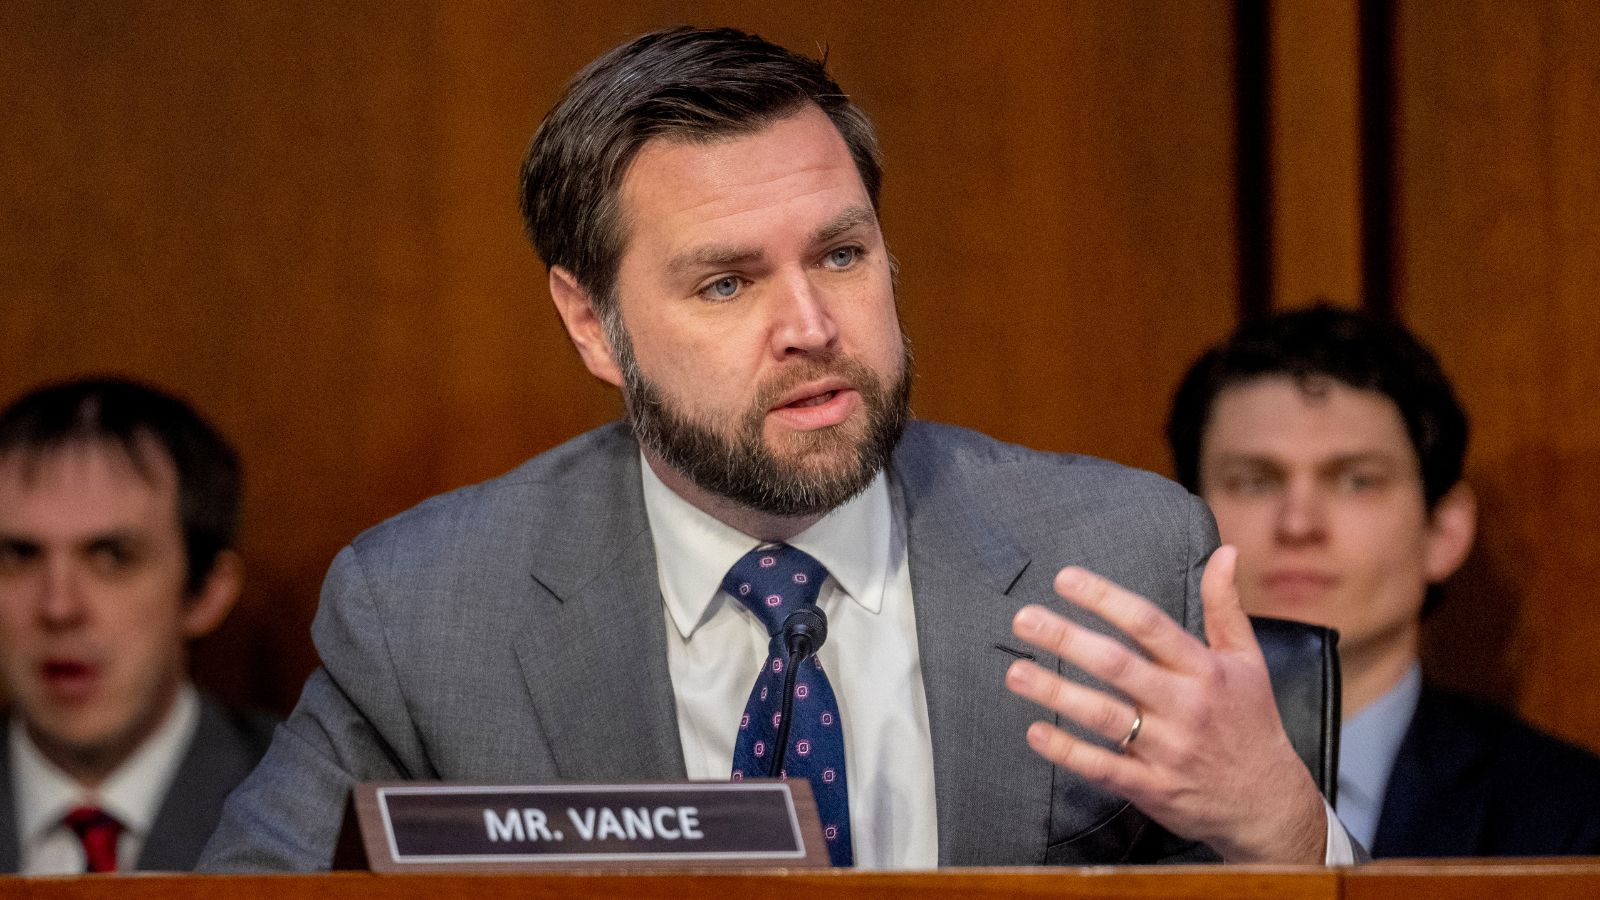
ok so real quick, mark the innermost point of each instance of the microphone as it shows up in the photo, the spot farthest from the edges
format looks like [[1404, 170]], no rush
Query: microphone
[[804, 632]]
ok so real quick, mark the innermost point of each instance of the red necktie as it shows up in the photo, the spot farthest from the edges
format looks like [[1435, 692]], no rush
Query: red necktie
[[98, 832]]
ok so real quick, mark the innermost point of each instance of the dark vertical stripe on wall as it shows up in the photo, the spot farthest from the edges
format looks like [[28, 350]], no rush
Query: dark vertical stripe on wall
[[1378, 176], [1253, 140]]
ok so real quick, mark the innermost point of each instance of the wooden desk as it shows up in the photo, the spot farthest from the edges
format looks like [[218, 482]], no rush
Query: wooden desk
[[1509, 880], [1474, 879], [1198, 883]]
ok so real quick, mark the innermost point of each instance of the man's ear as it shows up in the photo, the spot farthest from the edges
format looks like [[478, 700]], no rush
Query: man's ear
[[1452, 526], [582, 321], [205, 609]]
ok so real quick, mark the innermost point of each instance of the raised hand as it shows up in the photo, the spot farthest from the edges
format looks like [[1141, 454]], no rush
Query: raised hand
[[1208, 758]]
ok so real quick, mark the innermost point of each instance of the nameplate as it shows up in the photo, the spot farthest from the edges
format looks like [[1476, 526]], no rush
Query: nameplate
[[413, 826]]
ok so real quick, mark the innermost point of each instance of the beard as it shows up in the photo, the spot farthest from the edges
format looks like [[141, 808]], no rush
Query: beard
[[818, 470]]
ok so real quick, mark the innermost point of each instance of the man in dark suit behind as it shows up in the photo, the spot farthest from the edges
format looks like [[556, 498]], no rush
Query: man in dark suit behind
[[1329, 445], [118, 509]]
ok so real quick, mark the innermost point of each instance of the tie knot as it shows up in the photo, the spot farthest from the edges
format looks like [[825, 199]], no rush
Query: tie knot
[[88, 819], [98, 833], [775, 581]]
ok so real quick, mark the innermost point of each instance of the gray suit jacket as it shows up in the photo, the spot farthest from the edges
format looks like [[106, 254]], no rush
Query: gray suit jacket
[[512, 632], [225, 748]]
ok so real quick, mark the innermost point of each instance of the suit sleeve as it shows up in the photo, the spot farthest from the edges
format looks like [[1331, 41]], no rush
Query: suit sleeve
[[1155, 844], [1203, 541], [350, 725]]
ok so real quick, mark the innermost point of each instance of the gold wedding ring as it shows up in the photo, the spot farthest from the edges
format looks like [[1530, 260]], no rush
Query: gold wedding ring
[[1133, 730]]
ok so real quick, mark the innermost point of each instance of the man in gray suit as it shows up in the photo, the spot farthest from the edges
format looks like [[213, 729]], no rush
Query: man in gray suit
[[118, 508], [707, 205]]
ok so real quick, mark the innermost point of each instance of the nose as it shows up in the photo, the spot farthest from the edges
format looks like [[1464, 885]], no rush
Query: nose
[[61, 602], [802, 323], [1302, 515]]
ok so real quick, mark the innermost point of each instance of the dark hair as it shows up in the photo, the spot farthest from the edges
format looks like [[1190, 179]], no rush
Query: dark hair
[[128, 416], [691, 84], [1356, 349]]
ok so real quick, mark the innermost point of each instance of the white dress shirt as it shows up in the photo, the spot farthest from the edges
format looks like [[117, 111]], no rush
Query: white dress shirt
[[715, 647], [132, 794]]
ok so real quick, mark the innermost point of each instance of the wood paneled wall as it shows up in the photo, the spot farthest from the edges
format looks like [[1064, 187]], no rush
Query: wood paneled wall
[[303, 216], [1472, 203], [1497, 264]]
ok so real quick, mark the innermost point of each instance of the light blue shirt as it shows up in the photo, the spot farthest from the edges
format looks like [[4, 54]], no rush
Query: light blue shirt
[[1369, 741]]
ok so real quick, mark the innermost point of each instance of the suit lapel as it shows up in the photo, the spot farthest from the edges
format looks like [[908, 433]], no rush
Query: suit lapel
[[213, 763], [593, 651], [1432, 806], [10, 851], [999, 802], [993, 792]]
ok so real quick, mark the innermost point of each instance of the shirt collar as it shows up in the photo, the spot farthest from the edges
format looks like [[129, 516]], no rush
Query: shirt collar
[[695, 550], [1370, 739], [131, 795]]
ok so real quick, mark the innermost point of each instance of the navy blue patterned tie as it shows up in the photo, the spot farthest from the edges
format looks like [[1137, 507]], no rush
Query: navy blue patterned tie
[[773, 582]]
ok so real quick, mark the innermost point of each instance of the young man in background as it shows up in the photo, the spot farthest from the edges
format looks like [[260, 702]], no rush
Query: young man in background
[[118, 513], [1329, 445]]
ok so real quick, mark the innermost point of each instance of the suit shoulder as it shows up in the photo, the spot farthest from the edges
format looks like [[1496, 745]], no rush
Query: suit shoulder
[[487, 515], [1513, 744], [550, 515], [1131, 526], [939, 450]]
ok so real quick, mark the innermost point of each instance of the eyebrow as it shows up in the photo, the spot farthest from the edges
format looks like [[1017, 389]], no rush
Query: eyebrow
[[713, 257], [1338, 459], [728, 256], [129, 536], [851, 217]]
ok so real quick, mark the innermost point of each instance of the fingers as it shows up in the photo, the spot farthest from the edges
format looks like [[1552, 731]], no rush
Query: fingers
[[1119, 774], [1227, 625], [1111, 719], [1101, 656], [1142, 621], [1210, 762]]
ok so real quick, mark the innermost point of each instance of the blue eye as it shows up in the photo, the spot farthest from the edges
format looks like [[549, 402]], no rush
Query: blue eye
[[843, 257], [722, 289]]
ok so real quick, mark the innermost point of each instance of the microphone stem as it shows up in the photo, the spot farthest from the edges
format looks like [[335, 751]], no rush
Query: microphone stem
[[781, 743]]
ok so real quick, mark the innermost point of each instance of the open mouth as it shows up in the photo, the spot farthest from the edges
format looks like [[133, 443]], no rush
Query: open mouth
[[67, 674], [815, 400], [818, 405]]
